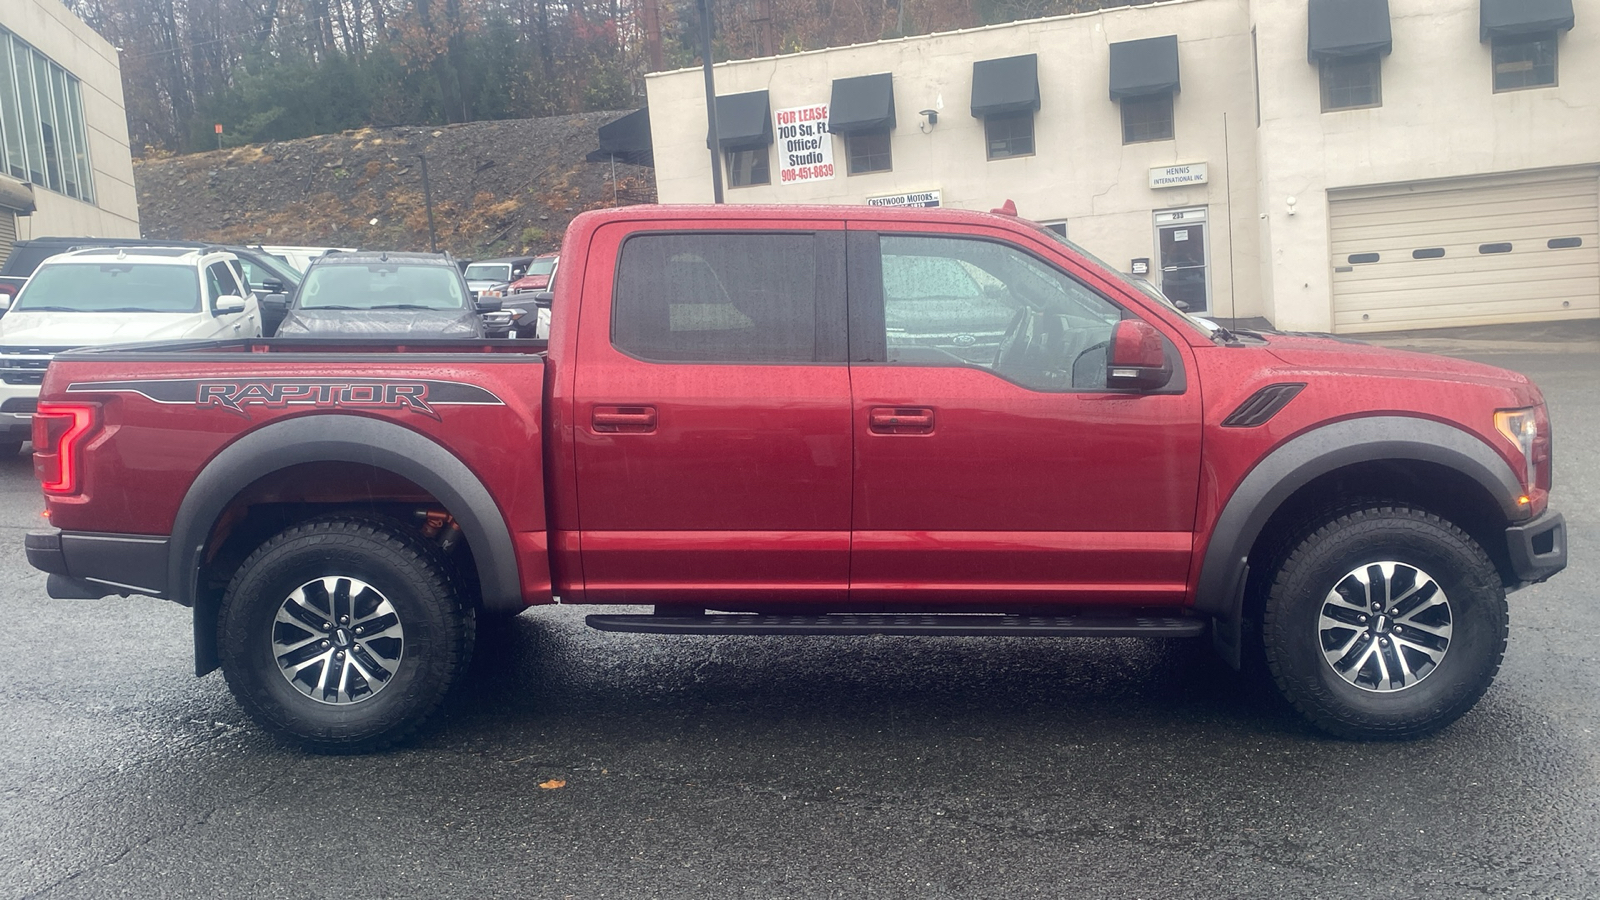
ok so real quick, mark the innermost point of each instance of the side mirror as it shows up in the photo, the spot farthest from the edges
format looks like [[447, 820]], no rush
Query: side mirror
[[228, 304], [277, 304], [1182, 306], [5, 301], [273, 286], [1137, 357], [544, 299], [488, 304]]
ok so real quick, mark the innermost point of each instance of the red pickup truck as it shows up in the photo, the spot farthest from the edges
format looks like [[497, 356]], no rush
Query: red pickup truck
[[792, 420]]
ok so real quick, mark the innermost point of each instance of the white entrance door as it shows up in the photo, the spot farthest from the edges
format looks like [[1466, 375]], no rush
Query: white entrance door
[[1185, 275]]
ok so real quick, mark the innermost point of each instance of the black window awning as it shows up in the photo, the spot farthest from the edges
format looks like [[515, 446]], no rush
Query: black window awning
[[626, 139], [1510, 18], [1348, 28], [861, 104], [744, 121], [1143, 67], [1005, 85]]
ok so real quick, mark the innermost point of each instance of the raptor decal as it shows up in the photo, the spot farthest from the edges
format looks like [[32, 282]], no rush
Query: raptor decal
[[235, 395]]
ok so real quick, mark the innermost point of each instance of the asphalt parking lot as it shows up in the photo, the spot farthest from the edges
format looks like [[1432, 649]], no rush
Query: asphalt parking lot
[[766, 767]]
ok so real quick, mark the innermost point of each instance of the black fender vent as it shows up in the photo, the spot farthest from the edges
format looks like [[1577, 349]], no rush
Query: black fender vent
[[1262, 405]]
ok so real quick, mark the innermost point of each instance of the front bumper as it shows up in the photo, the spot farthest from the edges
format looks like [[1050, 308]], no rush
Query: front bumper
[[17, 403], [85, 566], [1538, 548]]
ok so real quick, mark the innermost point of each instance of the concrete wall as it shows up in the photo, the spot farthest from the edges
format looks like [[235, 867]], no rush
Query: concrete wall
[[1440, 119], [54, 31]]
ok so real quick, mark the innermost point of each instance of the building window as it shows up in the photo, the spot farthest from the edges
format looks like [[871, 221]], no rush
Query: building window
[[1147, 118], [1351, 82], [42, 135], [1009, 134], [1525, 62], [747, 167], [868, 152]]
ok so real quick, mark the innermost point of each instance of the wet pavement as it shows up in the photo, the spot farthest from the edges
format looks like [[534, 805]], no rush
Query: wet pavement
[[812, 767]]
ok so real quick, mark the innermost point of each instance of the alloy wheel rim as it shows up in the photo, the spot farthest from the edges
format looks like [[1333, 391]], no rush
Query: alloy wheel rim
[[337, 640], [1385, 626]]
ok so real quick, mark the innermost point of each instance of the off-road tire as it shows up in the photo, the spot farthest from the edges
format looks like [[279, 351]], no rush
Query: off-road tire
[[1350, 540], [439, 629]]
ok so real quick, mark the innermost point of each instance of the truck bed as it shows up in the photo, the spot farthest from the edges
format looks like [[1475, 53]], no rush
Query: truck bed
[[169, 416]]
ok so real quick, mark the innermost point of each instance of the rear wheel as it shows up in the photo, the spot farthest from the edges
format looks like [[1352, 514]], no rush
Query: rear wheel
[[343, 634], [1386, 622]]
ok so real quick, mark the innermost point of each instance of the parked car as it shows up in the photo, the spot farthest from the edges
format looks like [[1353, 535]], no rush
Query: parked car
[[372, 294], [524, 315], [525, 305], [112, 296], [540, 276], [752, 438], [301, 258], [495, 275], [263, 272]]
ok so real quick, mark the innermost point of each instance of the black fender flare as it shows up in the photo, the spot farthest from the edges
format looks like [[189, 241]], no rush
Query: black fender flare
[[339, 438], [1225, 567]]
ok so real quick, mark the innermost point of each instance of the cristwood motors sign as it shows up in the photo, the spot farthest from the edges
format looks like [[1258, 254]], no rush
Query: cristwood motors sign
[[805, 148]]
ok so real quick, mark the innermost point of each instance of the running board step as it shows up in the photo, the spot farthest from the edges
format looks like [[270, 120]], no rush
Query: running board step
[[964, 625]]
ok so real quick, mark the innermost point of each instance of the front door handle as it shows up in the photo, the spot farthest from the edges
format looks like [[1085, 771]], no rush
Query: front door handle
[[625, 419], [900, 420]]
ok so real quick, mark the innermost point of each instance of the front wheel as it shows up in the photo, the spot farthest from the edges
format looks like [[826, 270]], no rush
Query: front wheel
[[1386, 622], [343, 634]]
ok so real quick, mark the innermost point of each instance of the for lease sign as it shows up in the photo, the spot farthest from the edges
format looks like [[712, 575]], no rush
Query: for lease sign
[[805, 148]]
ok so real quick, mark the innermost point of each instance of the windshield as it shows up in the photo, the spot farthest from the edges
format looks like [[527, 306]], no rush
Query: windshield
[[1144, 286], [111, 287], [489, 272], [542, 266], [381, 286]]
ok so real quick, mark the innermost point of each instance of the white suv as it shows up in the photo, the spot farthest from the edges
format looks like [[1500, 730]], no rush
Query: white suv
[[113, 295]]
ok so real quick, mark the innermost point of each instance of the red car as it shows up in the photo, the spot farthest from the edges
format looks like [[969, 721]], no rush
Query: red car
[[809, 420], [541, 272]]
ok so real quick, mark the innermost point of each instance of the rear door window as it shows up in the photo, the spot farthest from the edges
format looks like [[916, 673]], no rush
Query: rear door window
[[708, 297]]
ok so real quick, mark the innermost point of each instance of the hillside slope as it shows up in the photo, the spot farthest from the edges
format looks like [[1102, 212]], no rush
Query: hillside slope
[[498, 187]]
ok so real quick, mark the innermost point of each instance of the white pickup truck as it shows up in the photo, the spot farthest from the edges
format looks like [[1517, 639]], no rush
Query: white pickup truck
[[113, 296]]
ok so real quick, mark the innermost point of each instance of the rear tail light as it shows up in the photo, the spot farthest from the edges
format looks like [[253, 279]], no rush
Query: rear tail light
[[59, 433]]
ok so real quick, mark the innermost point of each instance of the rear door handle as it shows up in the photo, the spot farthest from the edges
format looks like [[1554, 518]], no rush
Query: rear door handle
[[625, 419], [900, 420]]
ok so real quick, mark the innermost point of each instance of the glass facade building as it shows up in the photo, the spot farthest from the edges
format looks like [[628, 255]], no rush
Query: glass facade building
[[42, 135]]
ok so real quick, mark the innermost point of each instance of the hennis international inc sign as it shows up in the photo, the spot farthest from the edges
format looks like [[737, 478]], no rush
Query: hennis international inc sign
[[805, 148], [1173, 176]]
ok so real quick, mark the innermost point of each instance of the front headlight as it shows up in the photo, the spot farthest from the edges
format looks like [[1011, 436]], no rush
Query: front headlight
[[1521, 427]]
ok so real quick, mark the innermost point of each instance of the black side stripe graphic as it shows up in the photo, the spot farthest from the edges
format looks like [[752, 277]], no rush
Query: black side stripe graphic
[[236, 394]]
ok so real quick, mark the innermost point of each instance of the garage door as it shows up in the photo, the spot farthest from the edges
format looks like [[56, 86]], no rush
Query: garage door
[[1522, 248], [8, 233]]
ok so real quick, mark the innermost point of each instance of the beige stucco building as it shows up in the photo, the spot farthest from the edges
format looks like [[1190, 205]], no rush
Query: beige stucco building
[[1345, 165], [65, 165]]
